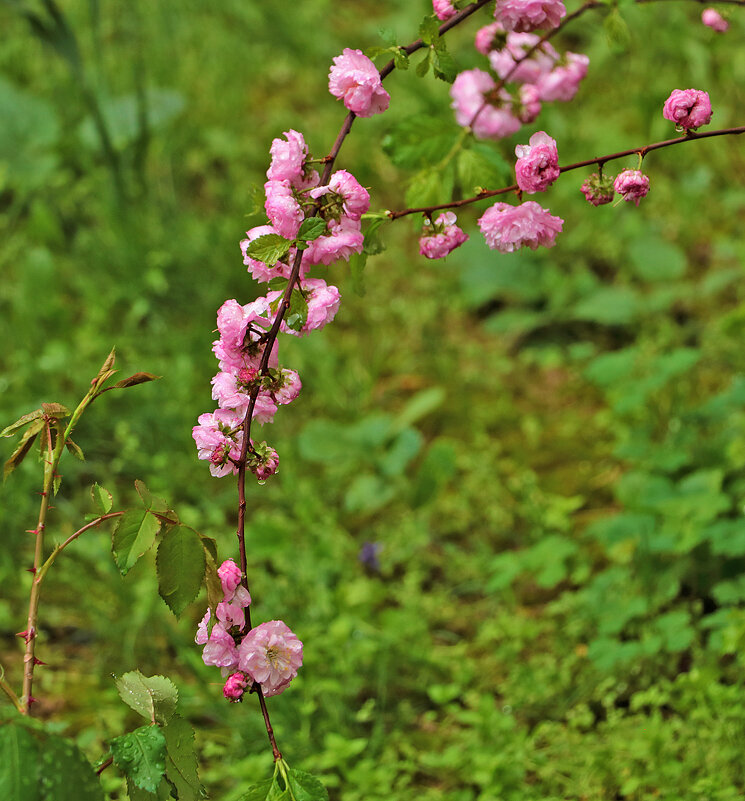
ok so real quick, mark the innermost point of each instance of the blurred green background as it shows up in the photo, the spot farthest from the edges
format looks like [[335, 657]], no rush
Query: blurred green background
[[546, 450]]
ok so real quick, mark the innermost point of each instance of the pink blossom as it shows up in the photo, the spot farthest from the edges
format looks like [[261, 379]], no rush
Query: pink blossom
[[282, 208], [537, 164], [527, 15], [220, 649], [530, 104], [444, 9], [477, 105], [442, 237], [230, 578], [510, 62], [632, 185], [487, 37], [230, 611], [240, 328], [271, 655], [714, 20], [218, 438], [263, 462], [289, 386], [202, 633], [323, 302], [688, 108], [562, 83], [344, 238], [355, 80], [507, 228], [288, 161], [598, 190], [352, 198], [235, 686]]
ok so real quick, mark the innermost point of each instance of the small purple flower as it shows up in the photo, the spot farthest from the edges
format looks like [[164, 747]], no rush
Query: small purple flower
[[368, 556]]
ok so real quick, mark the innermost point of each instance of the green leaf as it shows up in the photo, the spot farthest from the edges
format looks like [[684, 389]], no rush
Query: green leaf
[[19, 765], [401, 59], [431, 186], [153, 697], [367, 493], [181, 565], [311, 229], [420, 140], [134, 533], [181, 759], [481, 167], [259, 791], [422, 68], [436, 468], [132, 381], [616, 32], [75, 450], [102, 499], [278, 283], [141, 755], [610, 305], [212, 581], [305, 786], [429, 30], [443, 64], [357, 262], [654, 259], [297, 314], [23, 447], [66, 775], [420, 405], [55, 410], [269, 249], [8, 431]]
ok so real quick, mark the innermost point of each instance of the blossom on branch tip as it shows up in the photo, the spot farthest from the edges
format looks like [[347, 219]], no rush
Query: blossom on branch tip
[[529, 15], [537, 165], [354, 79], [271, 655], [441, 237], [714, 20], [688, 108], [443, 9], [478, 105], [507, 228], [598, 189], [632, 185]]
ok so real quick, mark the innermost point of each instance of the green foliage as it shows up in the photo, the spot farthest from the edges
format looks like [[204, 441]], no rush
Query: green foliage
[[153, 697], [140, 754], [181, 564], [269, 248]]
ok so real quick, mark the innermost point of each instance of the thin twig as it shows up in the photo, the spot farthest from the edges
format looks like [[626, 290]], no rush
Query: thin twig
[[599, 160]]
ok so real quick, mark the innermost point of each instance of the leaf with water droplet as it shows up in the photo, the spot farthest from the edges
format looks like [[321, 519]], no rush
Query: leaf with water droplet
[[154, 697], [181, 761], [141, 756]]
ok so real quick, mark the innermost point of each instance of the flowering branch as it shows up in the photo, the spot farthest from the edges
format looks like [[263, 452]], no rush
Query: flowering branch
[[598, 160]]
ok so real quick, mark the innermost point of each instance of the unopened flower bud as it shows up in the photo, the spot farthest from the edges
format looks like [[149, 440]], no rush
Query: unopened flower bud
[[598, 189]]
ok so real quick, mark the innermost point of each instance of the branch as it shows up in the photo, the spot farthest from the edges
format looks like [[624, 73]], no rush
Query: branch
[[598, 160]]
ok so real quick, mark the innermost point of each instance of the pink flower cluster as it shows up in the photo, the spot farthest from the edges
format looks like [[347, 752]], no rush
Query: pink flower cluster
[[443, 9], [292, 190], [529, 15], [269, 654], [714, 20], [507, 228], [537, 164], [441, 237], [541, 76]]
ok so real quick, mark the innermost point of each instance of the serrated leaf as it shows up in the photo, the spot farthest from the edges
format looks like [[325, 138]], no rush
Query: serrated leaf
[[422, 68], [357, 262], [75, 450], [305, 786], [153, 697], [311, 229], [181, 760], [141, 755], [209, 545], [19, 766], [297, 314], [133, 535], [8, 431], [259, 791], [23, 447], [420, 141], [102, 499], [278, 284], [269, 249], [443, 64], [55, 410], [429, 30], [212, 582], [66, 775], [144, 493], [181, 564], [431, 186]]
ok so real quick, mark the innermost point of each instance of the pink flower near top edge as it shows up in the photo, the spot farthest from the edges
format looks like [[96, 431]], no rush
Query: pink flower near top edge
[[443, 9], [271, 655], [537, 165], [354, 79], [632, 185], [507, 228], [714, 20], [529, 15], [442, 237], [688, 108]]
